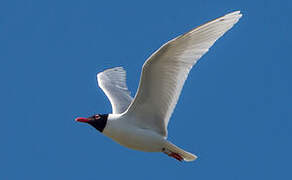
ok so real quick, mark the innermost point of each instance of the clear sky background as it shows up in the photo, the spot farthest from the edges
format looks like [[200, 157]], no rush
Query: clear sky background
[[235, 110]]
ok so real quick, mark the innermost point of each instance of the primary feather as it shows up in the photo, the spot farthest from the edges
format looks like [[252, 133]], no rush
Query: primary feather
[[166, 70], [113, 83]]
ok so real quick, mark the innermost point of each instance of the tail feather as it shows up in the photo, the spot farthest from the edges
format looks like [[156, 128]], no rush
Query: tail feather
[[184, 154]]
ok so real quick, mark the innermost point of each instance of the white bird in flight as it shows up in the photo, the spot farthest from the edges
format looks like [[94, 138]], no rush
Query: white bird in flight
[[140, 123]]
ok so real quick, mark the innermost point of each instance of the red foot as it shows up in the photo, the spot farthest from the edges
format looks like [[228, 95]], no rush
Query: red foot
[[176, 156]]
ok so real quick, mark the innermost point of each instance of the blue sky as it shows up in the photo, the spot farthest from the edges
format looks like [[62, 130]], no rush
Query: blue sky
[[234, 112]]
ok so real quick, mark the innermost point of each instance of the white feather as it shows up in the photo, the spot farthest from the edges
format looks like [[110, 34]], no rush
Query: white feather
[[113, 83], [166, 70]]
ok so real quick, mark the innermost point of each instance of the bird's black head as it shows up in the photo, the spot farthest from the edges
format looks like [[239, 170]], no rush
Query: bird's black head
[[98, 121]]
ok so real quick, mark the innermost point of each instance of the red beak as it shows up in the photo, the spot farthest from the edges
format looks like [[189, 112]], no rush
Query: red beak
[[81, 119]]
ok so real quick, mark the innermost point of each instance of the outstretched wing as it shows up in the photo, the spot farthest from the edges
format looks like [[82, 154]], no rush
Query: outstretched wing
[[164, 73], [113, 83]]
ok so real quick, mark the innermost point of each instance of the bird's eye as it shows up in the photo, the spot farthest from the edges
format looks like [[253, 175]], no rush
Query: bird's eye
[[96, 116]]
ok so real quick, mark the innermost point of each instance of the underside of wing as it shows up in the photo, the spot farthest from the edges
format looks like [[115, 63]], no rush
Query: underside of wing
[[165, 72], [113, 83]]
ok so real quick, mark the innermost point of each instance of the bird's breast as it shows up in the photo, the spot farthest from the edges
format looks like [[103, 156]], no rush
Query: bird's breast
[[134, 137]]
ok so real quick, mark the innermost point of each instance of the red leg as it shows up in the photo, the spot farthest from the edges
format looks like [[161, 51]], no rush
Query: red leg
[[172, 154], [176, 156]]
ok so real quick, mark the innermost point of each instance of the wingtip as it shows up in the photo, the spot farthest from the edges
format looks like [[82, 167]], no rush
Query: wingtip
[[230, 17], [235, 13], [118, 69]]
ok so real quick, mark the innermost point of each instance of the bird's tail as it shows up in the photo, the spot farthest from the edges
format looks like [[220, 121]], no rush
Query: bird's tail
[[171, 148]]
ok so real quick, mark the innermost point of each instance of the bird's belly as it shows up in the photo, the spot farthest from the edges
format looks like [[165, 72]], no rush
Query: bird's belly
[[137, 138]]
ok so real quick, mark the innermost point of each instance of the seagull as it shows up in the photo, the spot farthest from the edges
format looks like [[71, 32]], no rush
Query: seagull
[[140, 123]]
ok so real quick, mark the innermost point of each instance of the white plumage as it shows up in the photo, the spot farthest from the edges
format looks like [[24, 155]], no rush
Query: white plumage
[[141, 123], [113, 84]]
